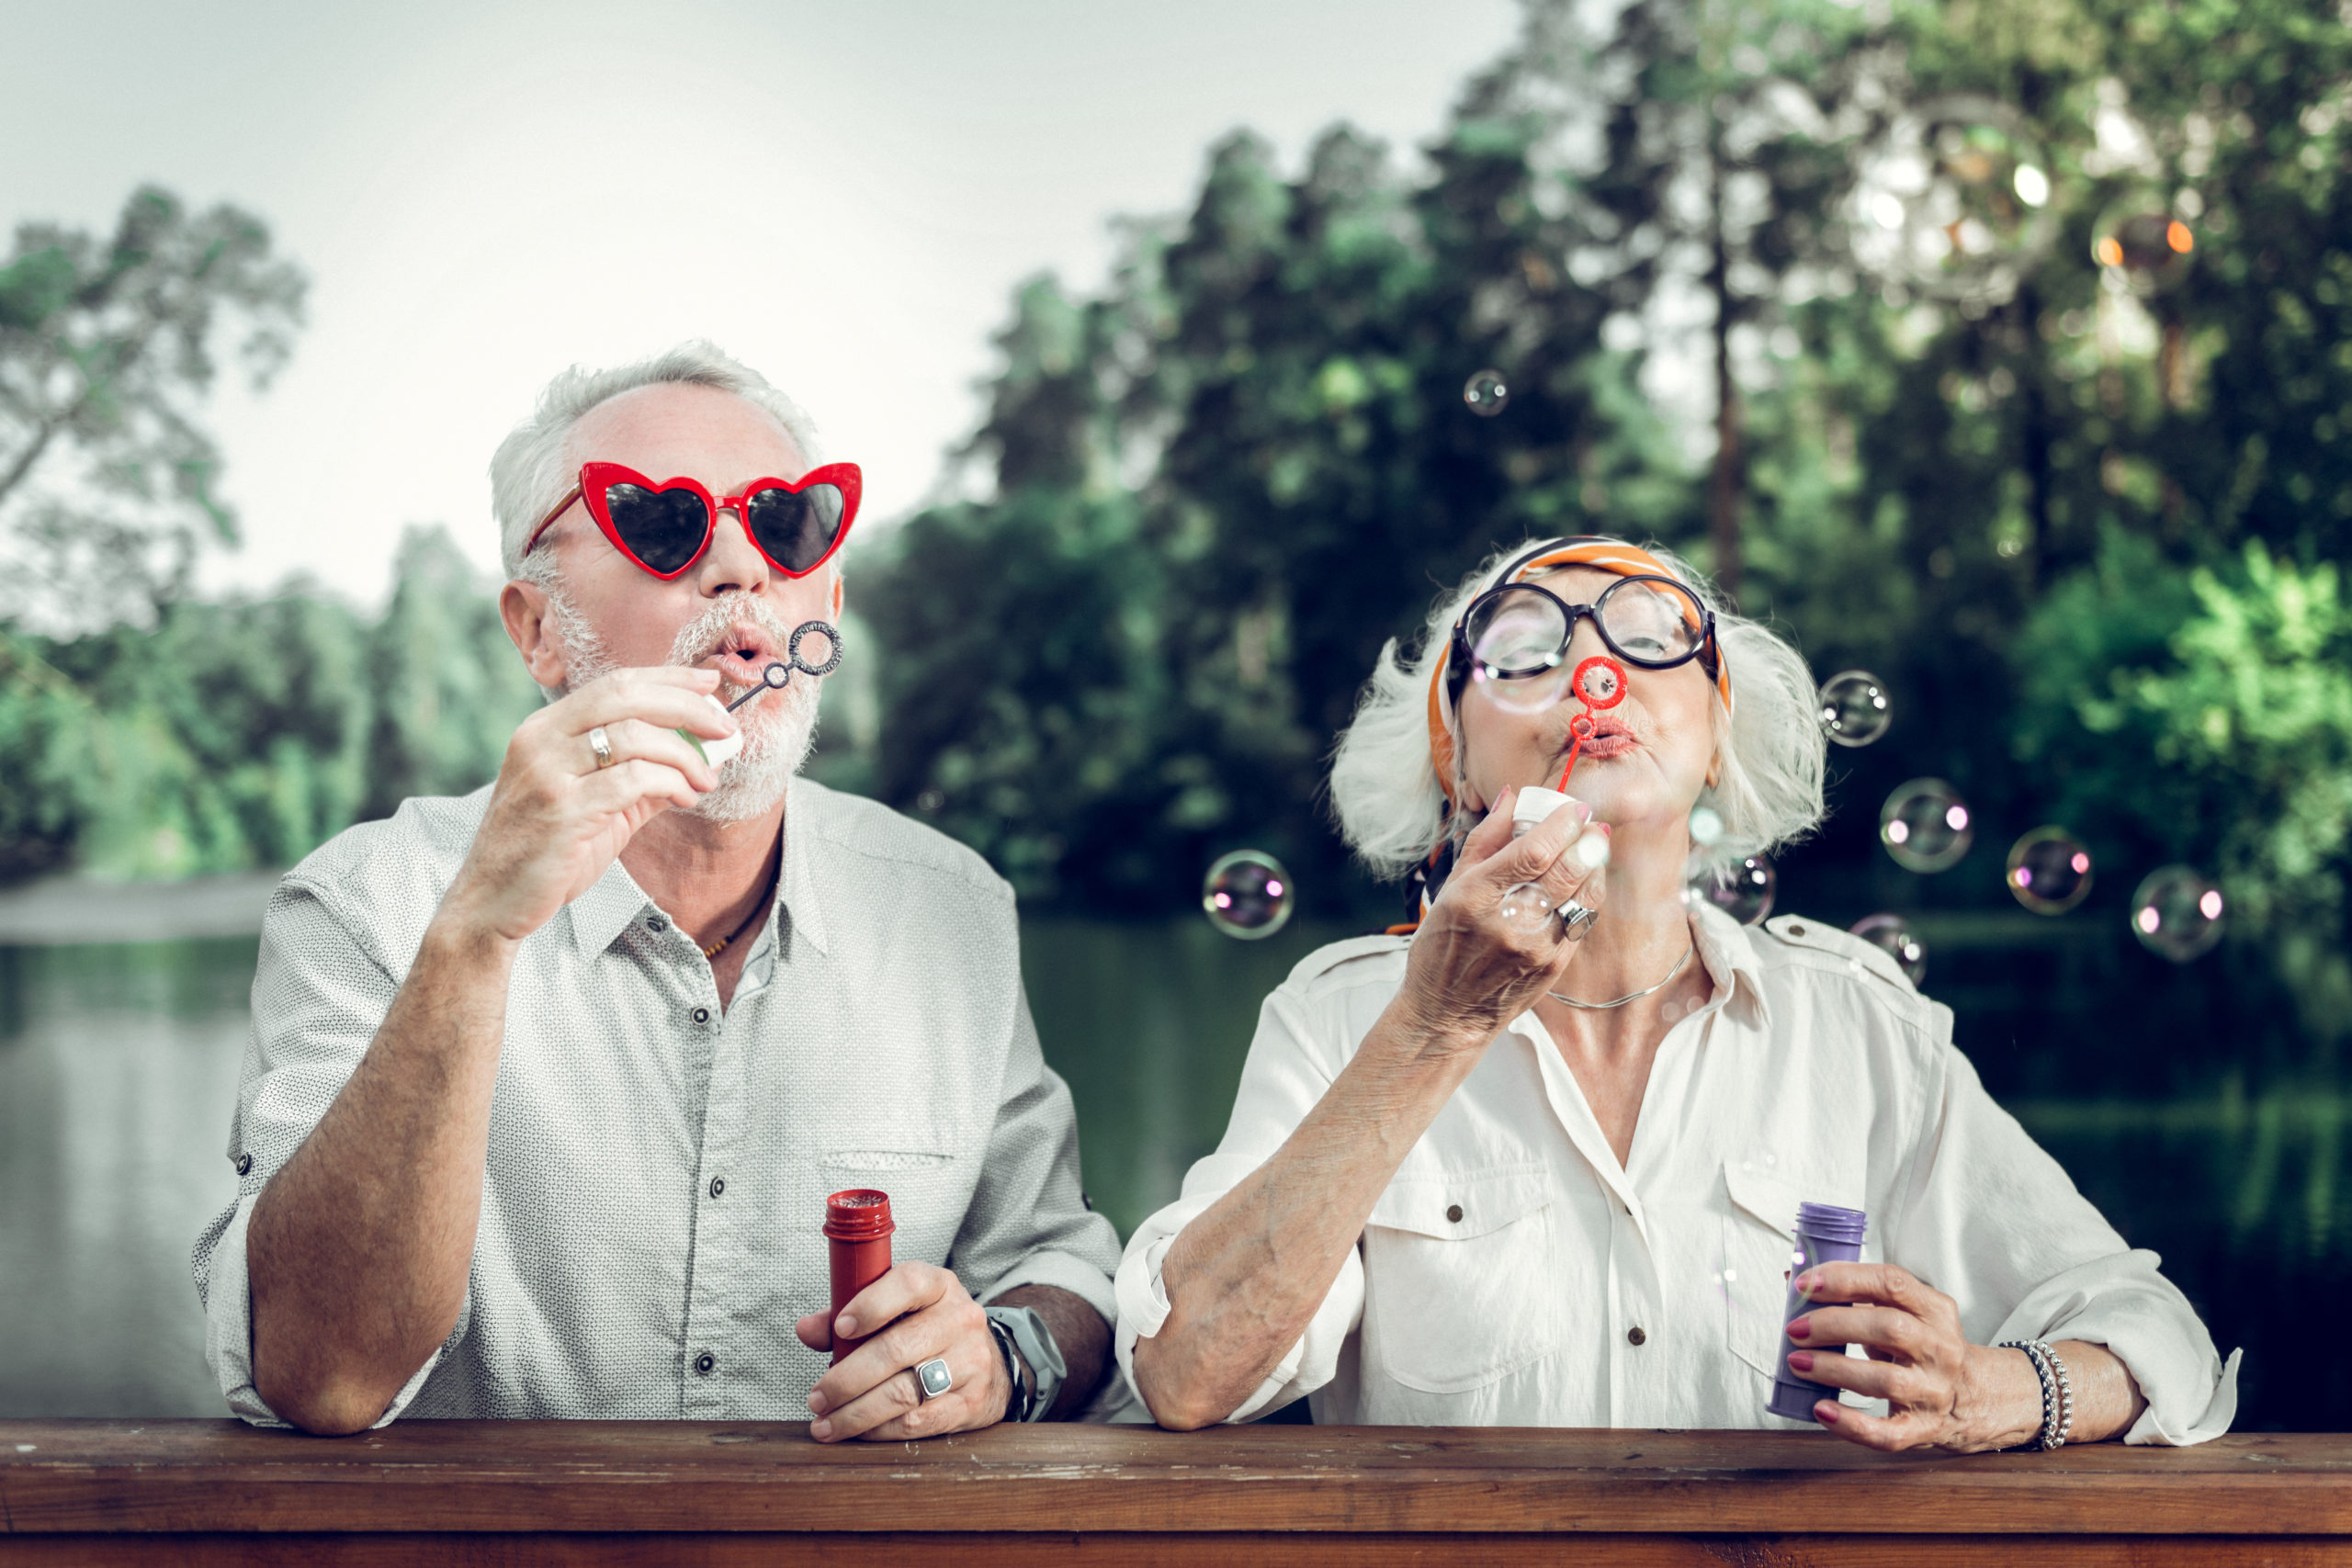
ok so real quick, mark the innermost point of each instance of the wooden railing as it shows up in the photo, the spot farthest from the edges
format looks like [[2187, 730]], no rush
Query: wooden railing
[[586, 1491]]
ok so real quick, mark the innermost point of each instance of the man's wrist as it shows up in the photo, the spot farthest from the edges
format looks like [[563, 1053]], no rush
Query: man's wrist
[[457, 936], [1029, 1348]]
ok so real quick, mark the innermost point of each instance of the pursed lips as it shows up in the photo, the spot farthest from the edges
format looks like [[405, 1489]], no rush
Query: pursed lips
[[741, 654], [1611, 738]]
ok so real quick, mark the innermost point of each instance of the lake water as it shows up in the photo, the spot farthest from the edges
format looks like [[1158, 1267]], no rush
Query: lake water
[[2196, 1106]]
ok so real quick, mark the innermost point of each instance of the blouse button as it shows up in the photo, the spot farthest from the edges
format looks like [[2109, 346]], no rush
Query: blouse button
[[718, 1185], [1636, 1337], [704, 1362], [1796, 930], [701, 1015], [657, 924], [1453, 1213], [245, 1163]]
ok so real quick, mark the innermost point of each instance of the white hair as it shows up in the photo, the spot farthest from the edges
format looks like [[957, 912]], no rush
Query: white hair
[[1769, 752], [531, 469]]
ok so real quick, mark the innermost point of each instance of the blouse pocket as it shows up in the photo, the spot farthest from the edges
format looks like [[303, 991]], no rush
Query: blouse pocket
[[1759, 1252], [1460, 1287]]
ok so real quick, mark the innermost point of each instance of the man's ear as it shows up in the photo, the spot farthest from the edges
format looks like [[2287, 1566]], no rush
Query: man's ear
[[523, 606]]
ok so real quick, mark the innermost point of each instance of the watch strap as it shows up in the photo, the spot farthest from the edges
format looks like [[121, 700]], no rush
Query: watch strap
[[1034, 1342]]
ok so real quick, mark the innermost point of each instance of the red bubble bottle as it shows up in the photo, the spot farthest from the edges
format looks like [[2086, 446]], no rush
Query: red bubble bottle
[[857, 1225]]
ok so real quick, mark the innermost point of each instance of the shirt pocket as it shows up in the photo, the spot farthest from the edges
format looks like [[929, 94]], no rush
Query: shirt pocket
[[1460, 1286], [1757, 1256], [929, 1191]]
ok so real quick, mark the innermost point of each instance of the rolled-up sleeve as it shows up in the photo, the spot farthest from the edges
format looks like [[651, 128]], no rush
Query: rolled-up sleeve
[[1028, 1223], [1991, 1218], [1288, 1071], [319, 997]]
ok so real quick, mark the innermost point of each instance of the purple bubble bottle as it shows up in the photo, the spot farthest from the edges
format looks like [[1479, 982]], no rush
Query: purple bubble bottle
[[1825, 1234]]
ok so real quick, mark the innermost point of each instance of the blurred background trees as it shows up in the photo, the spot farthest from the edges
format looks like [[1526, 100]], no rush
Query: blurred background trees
[[2065, 463]]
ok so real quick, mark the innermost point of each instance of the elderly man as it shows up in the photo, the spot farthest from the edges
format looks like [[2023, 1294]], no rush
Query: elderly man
[[548, 1085]]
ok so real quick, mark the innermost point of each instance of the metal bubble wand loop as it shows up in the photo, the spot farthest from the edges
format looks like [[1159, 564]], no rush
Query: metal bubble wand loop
[[778, 675]]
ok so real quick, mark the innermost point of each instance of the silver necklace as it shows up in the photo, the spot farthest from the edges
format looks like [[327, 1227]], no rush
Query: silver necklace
[[1630, 996]]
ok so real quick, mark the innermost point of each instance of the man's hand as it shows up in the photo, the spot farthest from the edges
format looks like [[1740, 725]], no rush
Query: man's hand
[[873, 1394], [557, 820]]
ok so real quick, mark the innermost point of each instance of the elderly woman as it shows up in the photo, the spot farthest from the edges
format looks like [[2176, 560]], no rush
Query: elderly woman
[[1539, 1161]]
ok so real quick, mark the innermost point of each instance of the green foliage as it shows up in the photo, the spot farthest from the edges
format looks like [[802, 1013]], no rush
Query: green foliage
[[107, 346], [2173, 701], [1999, 504], [243, 733]]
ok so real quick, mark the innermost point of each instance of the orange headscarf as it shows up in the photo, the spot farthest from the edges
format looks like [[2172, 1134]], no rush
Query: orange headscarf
[[1600, 554]]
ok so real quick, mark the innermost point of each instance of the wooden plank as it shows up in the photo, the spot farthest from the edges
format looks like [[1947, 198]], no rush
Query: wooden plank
[[197, 1476], [1140, 1550]]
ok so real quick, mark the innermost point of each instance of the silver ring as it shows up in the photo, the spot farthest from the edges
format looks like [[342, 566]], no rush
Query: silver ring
[[1576, 921], [931, 1378], [602, 744]]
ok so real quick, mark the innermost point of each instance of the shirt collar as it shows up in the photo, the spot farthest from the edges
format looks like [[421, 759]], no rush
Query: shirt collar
[[1729, 953], [616, 900], [605, 909], [797, 884]]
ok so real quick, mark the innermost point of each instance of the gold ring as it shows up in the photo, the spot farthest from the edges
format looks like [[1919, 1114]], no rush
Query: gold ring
[[602, 744]]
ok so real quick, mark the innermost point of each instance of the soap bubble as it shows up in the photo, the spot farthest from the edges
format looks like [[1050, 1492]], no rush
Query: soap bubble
[[1706, 825], [2139, 242], [1526, 907], [1854, 710], [1892, 935], [2049, 871], [1925, 826], [2176, 913], [1246, 894], [1742, 889], [1486, 394], [1954, 199]]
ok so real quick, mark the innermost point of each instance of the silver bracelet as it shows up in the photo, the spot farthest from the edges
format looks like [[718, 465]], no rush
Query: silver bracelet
[[2057, 1393]]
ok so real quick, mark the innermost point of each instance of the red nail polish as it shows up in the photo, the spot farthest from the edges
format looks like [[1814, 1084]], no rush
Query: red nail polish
[[1801, 1329], [1801, 1361], [1827, 1411]]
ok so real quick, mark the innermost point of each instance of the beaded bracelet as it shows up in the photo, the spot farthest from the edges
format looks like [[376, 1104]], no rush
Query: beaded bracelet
[[2057, 1393]]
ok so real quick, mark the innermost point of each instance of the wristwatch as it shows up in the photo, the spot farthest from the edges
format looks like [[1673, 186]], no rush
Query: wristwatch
[[1026, 1342]]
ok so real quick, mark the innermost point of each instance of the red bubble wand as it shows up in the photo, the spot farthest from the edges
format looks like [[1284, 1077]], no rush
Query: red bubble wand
[[1598, 682]]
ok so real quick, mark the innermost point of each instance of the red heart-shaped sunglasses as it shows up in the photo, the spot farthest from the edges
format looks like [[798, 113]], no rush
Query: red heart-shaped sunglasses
[[796, 525]]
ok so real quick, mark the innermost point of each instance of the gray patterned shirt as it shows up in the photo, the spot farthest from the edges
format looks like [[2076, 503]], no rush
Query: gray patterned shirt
[[658, 1167]]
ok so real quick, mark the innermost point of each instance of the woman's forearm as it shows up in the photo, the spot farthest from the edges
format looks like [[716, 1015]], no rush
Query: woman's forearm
[[2107, 1398], [1244, 1279]]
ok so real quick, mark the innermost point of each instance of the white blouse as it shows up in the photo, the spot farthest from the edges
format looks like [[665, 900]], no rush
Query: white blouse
[[1514, 1274]]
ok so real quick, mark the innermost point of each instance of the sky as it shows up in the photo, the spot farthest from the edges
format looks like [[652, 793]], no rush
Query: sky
[[843, 196]]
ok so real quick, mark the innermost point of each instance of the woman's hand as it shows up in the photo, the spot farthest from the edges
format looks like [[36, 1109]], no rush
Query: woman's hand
[[1471, 971], [1941, 1390]]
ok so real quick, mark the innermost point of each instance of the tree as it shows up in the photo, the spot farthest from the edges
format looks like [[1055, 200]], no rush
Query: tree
[[108, 347]]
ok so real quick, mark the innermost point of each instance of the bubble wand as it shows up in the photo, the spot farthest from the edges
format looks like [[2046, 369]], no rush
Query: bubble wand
[[775, 678], [1599, 683]]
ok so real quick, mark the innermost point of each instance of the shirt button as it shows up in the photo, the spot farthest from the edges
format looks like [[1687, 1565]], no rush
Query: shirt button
[[705, 1363], [718, 1185], [656, 923], [245, 1163], [1636, 1337], [701, 1015], [1453, 1213]]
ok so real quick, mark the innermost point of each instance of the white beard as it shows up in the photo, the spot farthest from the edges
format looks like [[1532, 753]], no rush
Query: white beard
[[779, 729]]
